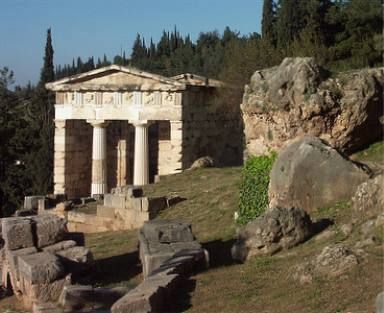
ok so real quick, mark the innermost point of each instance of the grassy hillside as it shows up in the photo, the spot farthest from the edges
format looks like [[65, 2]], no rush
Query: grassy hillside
[[263, 284]]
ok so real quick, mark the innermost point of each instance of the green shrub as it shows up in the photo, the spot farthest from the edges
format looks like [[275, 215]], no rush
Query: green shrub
[[254, 187]]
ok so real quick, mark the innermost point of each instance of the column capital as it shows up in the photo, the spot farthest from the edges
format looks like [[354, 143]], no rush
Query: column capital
[[98, 123], [140, 123], [60, 123]]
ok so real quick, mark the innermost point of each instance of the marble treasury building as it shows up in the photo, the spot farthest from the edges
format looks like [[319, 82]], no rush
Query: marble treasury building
[[116, 126]]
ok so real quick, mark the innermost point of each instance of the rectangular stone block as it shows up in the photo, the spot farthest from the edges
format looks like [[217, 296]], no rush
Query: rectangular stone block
[[165, 231], [49, 229], [38, 268], [17, 233], [12, 258]]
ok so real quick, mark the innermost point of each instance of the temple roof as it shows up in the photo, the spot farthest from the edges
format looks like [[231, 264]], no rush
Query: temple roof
[[115, 77]]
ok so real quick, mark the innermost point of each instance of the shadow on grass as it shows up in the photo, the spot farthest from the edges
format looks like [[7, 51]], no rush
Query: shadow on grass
[[181, 300], [320, 225], [116, 270], [219, 252]]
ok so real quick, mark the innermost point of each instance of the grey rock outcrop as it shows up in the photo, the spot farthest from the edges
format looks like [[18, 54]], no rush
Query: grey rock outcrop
[[296, 98], [275, 230], [310, 174]]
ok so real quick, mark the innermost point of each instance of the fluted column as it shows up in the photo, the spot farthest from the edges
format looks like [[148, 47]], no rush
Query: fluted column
[[140, 165], [99, 154]]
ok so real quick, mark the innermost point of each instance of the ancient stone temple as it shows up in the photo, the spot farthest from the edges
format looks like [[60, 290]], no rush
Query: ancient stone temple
[[117, 126]]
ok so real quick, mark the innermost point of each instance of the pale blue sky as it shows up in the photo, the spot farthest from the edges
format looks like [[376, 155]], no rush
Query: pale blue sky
[[94, 27]]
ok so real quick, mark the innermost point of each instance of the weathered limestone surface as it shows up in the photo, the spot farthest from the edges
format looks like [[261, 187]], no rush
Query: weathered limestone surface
[[310, 174], [297, 98], [17, 233], [49, 229]]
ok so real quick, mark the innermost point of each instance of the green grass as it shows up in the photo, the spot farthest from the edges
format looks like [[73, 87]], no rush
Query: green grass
[[374, 153]]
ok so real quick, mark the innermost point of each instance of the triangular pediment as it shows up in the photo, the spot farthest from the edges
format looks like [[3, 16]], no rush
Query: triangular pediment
[[113, 78]]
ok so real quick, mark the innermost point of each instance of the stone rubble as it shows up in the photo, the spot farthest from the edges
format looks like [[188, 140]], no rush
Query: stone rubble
[[168, 253], [34, 258]]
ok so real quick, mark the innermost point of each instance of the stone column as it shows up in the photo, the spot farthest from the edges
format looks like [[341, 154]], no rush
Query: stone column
[[140, 165], [99, 153], [59, 157]]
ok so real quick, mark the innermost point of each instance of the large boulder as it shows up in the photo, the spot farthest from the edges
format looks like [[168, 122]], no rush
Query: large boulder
[[310, 174], [298, 98], [277, 229]]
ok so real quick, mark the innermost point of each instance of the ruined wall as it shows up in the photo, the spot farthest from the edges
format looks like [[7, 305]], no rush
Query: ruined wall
[[78, 158], [210, 127]]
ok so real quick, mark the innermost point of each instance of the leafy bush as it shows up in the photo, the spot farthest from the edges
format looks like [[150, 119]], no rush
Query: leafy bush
[[254, 187]]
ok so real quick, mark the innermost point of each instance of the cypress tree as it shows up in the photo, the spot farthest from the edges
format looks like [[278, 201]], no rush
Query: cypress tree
[[48, 71], [268, 30], [290, 21], [40, 165]]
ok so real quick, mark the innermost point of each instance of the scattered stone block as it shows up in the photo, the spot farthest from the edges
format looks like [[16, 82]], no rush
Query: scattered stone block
[[166, 231], [31, 202], [77, 254], [39, 268], [150, 296], [76, 260], [62, 245], [76, 297], [17, 233], [49, 229]]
